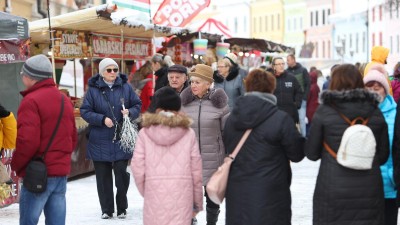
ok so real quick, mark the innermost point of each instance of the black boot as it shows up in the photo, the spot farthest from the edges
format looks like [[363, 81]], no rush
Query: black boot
[[212, 216]]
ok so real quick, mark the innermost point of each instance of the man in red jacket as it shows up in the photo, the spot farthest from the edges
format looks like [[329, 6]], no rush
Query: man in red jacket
[[37, 118]]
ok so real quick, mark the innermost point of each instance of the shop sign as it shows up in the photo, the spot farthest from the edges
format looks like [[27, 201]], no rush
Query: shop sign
[[112, 47], [71, 44], [13, 50]]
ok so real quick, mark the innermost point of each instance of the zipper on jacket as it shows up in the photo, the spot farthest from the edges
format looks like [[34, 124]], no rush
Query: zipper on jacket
[[198, 125]]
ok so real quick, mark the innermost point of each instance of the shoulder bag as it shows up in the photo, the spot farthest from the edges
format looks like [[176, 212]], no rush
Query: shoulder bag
[[35, 179], [216, 186]]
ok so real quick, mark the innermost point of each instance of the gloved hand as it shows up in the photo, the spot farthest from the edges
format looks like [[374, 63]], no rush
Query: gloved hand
[[3, 112]]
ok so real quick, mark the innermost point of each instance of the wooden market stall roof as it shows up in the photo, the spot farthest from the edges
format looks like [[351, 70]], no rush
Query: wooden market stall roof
[[101, 19]]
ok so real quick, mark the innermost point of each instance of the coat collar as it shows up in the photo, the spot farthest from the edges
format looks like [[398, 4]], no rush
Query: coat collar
[[233, 73], [40, 84], [354, 95], [218, 97], [97, 81]]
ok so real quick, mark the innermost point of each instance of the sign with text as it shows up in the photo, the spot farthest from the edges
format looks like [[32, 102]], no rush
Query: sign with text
[[71, 44], [112, 47], [14, 50], [178, 13]]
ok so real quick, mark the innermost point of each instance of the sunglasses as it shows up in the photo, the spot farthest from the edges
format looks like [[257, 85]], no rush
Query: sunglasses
[[115, 70]]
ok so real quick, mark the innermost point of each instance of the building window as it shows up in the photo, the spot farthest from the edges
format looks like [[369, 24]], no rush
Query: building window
[[316, 18], [272, 22], [311, 19], [254, 25], [373, 14], [294, 24], [288, 25], [391, 42], [373, 39], [266, 23], [301, 23], [329, 49], [380, 13], [316, 49], [398, 44], [364, 39], [351, 41], [356, 42], [260, 24], [244, 24], [236, 25], [279, 21], [323, 17], [323, 49], [380, 38]]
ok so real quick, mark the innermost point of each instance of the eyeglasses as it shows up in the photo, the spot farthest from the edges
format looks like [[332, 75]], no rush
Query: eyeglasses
[[115, 70], [279, 64]]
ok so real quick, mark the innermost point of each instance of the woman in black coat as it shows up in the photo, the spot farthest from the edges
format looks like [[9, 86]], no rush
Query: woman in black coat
[[342, 195], [258, 187]]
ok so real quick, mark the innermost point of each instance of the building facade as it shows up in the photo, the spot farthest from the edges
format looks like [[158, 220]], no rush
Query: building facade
[[295, 12]]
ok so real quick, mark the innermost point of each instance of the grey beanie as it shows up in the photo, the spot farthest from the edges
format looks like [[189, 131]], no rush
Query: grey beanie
[[38, 67], [106, 62]]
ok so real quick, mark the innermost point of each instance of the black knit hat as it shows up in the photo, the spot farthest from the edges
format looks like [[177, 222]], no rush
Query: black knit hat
[[166, 98]]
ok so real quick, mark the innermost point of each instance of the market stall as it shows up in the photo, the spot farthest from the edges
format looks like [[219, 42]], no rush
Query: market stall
[[14, 50], [82, 39]]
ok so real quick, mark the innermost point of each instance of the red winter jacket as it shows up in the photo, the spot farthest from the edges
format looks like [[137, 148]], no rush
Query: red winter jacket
[[37, 119], [146, 94]]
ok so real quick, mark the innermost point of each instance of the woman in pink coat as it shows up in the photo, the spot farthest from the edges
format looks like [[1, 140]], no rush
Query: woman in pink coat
[[167, 165]]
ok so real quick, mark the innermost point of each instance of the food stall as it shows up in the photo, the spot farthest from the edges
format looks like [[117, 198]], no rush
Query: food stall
[[14, 50], [82, 39]]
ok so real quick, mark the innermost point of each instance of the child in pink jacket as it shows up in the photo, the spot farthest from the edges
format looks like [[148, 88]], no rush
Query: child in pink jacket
[[167, 165]]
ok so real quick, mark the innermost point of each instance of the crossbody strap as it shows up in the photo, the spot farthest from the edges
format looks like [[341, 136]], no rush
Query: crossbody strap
[[240, 144], [57, 125]]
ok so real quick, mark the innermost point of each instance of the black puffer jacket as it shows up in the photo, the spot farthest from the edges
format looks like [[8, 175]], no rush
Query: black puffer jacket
[[346, 196], [258, 187]]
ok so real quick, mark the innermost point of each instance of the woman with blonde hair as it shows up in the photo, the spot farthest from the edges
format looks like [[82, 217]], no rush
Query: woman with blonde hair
[[208, 108]]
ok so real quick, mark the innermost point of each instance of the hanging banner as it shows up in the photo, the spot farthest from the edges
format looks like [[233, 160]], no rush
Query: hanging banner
[[111, 47], [178, 13], [14, 50], [71, 44]]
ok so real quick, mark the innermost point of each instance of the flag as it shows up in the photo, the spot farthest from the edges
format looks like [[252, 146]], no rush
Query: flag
[[139, 5], [178, 13]]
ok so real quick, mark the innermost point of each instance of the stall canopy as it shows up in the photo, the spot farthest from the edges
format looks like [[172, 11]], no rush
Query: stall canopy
[[248, 44], [213, 26], [101, 20], [14, 50], [189, 37]]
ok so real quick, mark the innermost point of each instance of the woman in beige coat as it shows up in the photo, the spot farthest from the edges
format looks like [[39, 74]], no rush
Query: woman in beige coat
[[208, 108]]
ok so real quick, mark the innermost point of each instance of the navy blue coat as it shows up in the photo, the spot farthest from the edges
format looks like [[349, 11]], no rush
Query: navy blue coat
[[95, 109]]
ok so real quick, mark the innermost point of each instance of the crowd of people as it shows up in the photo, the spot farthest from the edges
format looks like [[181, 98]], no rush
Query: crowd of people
[[191, 118]]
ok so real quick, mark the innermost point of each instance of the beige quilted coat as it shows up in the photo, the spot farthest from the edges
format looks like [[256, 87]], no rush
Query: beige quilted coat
[[167, 169], [209, 115]]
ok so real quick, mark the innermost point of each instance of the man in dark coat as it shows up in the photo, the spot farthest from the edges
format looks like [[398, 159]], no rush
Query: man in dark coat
[[303, 78], [288, 91]]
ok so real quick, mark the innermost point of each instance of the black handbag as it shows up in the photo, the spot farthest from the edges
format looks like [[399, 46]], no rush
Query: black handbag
[[35, 179]]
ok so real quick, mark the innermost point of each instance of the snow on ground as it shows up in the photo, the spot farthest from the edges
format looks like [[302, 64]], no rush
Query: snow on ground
[[83, 207]]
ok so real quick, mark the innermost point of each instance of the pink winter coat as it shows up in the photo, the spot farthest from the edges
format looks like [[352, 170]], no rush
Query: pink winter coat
[[167, 169]]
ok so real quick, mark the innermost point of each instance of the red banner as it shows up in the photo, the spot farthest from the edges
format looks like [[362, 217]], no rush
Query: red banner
[[111, 47], [12, 51], [178, 13]]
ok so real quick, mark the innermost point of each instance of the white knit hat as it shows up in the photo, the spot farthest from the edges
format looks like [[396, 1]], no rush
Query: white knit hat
[[377, 73], [105, 63]]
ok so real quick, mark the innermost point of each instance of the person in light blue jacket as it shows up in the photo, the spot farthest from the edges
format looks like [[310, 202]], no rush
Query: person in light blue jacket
[[376, 81]]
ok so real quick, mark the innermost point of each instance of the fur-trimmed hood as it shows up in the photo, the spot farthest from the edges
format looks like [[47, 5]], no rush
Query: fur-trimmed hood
[[233, 73], [355, 95], [218, 97], [178, 120], [163, 129]]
